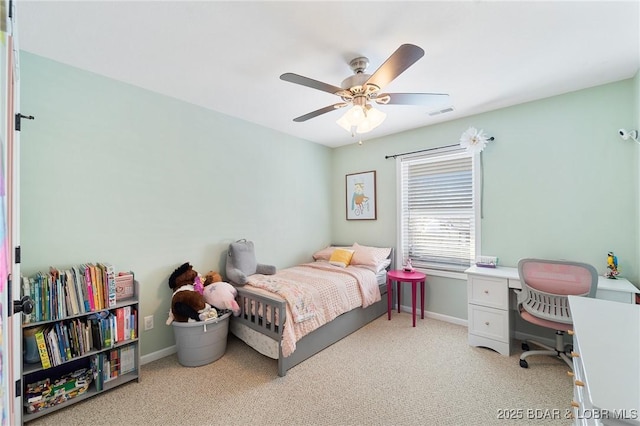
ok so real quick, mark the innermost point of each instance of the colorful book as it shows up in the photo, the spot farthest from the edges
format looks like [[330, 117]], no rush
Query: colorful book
[[81, 289], [52, 339], [42, 349], [90, 295], [95, 287], [120, 327], [111, 285]]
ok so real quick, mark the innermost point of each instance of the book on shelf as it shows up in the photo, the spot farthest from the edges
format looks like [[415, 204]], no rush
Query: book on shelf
[[110, 280], [87, 279], [120, 333], [81, 290], [97, 282], [54, 348], [127, 359], [72, 290], [42, 349]]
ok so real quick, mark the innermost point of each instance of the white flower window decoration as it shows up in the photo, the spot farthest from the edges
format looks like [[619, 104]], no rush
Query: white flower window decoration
[[474, 140]]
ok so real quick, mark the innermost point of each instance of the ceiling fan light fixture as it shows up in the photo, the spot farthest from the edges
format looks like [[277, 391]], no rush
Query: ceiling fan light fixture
[[352, 118], [373, 119], [361, 120]]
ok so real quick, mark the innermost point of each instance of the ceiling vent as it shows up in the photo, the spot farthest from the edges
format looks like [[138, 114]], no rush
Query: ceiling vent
[[442, 111]]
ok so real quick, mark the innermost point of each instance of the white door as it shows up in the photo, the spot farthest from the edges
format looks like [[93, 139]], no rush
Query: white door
[[9, 219]]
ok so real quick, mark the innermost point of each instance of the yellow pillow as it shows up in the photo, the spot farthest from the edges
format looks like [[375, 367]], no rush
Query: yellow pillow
[[341, 257]]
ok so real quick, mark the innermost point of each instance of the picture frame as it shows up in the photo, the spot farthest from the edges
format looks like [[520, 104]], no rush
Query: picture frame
[[360, 201]]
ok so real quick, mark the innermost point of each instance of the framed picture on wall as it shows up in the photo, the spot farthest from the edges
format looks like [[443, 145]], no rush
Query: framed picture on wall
[[361, 196]]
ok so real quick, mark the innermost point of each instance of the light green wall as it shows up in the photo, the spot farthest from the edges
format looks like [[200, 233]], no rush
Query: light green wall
[[558, 183], [111, 172], [114, 173]]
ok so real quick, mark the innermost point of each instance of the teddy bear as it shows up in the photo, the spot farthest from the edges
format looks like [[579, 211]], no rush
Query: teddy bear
[[241, 262], [221, 295], [188, 304]]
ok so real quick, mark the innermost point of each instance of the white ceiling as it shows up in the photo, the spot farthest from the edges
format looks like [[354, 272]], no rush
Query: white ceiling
[[228, 56]]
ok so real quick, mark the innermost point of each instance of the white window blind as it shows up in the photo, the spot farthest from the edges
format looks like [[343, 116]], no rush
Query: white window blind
[[438, 210]]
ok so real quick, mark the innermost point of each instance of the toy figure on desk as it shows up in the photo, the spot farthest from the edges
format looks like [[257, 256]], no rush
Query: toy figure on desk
[[408, 267], [612, 266]]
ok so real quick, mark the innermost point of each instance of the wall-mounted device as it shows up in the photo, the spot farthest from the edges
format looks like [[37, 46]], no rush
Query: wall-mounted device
[[628, 134]]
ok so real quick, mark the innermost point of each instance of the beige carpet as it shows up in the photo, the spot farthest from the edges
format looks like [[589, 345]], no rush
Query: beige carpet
[[387, 373]]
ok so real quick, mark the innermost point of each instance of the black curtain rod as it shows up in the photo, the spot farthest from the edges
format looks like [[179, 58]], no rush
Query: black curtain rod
[[386, 157]]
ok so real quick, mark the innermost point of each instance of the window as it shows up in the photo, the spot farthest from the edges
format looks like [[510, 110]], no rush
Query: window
[[439, 220]]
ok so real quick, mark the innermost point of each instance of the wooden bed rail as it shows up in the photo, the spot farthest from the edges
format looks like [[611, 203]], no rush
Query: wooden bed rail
[[254, 308]]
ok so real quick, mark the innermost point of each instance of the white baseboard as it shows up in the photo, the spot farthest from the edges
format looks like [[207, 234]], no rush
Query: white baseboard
[[435, 315], [154, 356]]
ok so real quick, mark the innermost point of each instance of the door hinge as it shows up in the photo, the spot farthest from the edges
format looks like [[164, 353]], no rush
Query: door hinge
[[17, 254], [19, 118], [18, 387]]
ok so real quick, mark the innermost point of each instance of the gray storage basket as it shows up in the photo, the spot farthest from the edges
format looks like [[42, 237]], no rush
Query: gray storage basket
[[201, 342]]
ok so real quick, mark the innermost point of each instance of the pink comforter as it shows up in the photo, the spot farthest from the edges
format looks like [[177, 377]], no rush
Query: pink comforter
[[316, 293]]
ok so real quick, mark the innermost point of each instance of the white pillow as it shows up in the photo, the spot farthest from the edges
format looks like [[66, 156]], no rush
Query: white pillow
[[370, 257]]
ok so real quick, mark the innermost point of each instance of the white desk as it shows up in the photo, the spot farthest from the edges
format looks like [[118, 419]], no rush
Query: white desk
[[490, 318], [607, 341]]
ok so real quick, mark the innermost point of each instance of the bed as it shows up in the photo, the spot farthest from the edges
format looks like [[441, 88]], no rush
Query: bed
[[268, 324]]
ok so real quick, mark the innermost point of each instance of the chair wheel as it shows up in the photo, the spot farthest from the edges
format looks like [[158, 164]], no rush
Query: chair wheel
[[525, 347], [524, 363]]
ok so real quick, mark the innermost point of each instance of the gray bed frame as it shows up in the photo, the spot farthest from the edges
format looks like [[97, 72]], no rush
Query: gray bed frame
[[314, 342]]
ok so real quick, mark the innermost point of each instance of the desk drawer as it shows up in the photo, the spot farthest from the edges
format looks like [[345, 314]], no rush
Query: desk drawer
[[489, 322], [485, 291], [615, 296]]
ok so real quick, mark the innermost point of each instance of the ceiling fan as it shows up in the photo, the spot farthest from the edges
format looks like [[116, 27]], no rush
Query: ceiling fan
[[361, 90]]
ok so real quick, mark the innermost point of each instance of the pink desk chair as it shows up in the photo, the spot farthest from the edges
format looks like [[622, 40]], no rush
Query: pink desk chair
[[546, 285]]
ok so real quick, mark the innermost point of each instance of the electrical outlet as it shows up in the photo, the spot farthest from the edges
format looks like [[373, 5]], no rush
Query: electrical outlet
[[148, 322]]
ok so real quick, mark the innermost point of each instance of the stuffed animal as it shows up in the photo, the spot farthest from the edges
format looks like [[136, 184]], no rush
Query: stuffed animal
[[222, 295], [186, 303], [241, 262]]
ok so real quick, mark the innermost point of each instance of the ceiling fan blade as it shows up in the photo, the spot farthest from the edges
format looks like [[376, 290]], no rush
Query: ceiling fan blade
[[405, 56], [309, 82], [424, 99], [319, 112]]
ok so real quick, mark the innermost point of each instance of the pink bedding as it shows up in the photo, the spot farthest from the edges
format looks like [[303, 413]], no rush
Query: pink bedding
[[316, 293]]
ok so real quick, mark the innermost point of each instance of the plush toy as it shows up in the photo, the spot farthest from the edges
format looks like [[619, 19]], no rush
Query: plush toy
[[186, 303], [241, 262], [222, 295]]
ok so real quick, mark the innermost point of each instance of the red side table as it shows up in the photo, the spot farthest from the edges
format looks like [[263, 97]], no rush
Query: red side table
[[408, 277]]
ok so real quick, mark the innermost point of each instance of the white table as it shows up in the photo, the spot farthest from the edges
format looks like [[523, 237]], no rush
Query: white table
[[489, 315], [607, 368]]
